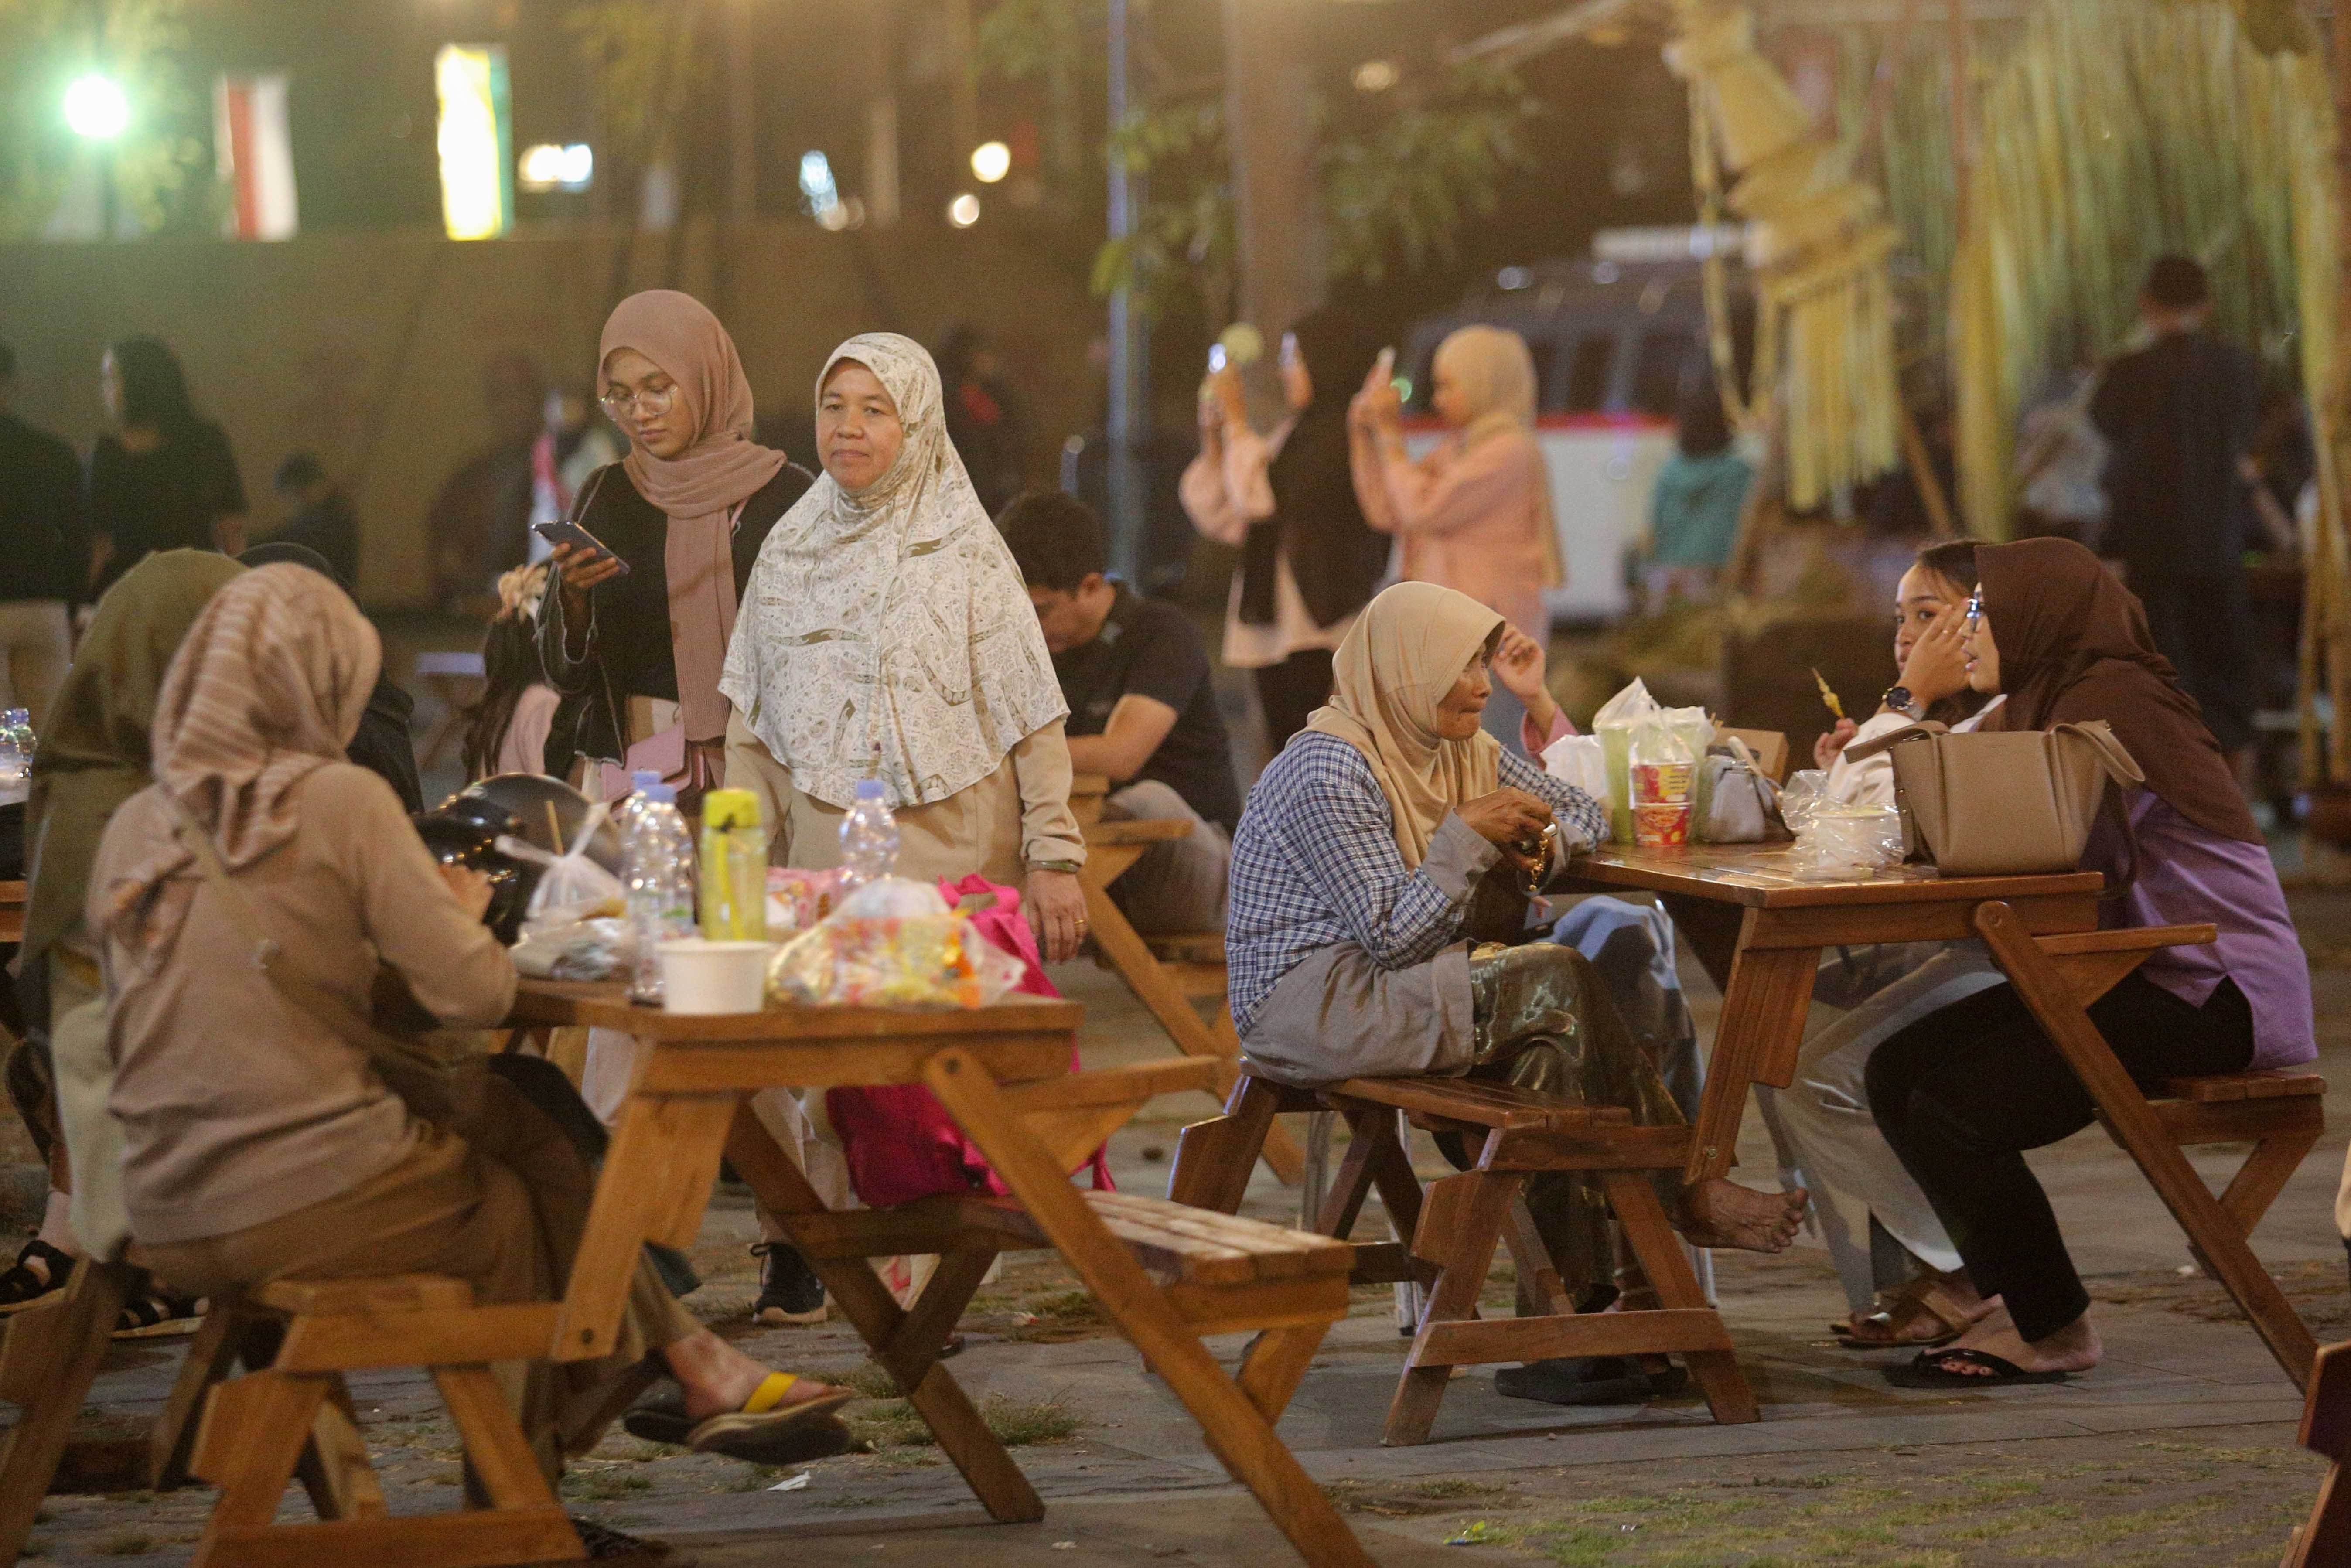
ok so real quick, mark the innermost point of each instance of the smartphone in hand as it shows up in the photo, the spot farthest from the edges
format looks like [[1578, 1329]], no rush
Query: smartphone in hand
[[567, 532]]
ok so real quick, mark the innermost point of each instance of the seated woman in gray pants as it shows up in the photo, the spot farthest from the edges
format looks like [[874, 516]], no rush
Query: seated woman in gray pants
[[1349, 944]]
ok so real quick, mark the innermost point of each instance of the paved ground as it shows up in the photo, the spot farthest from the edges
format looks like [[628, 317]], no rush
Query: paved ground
[[2177, 1451]]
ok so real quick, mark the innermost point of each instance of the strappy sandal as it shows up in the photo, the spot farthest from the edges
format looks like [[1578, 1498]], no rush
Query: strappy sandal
[[40, 1271], [159, 1316], [1921, 1315]]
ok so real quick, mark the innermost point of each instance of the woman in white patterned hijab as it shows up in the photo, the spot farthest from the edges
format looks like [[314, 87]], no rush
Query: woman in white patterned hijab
[[886, 633]]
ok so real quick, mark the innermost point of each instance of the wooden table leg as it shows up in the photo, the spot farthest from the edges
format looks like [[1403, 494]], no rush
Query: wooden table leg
[[1235, 1428], [1756, 1041], [934, 1393], [48, 1362], [2217, 1238]]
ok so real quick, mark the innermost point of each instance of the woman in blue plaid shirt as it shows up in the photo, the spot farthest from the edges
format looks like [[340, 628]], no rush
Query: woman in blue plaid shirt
[[1378, 916]]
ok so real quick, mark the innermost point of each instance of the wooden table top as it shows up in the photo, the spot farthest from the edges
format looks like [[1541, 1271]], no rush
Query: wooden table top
[[607, 1006], [1762, 876]]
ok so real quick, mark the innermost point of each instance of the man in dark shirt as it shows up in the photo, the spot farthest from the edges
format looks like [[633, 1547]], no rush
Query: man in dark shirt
[[44, 555], [1142, 711], [2178, 415], [318, 516]]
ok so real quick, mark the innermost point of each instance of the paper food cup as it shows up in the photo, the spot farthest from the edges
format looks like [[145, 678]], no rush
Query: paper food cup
[[705, 976], [1656, 826]]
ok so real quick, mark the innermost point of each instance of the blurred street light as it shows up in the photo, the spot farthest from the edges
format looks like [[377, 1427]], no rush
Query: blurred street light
[[550, 167], [992, 161], [963, 211], [1376, 76], [95, 107]]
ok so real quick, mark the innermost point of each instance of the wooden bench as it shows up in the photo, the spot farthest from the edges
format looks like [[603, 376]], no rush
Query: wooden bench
[[1455, 1226], [2280, 1113], [294, 1419], [2325, 1539], [12, 896]]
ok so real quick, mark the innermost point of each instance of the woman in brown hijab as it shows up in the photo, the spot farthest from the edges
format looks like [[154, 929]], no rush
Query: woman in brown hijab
[[1963, 1092], [634, 639]]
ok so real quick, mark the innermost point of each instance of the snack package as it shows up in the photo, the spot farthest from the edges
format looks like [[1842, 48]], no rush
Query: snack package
[[573, 887], [893, 943], [797, 900], [1662, 775]]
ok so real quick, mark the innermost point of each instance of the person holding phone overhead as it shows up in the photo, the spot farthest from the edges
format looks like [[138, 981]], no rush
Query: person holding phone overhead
[[635, 631], [1309, 561], [1474, 513]]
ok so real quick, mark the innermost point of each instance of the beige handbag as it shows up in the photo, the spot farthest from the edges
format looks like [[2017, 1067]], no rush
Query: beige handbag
[[2003, 802]]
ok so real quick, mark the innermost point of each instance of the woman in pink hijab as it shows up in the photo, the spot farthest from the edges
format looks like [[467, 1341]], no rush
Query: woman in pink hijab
[[634, 635]]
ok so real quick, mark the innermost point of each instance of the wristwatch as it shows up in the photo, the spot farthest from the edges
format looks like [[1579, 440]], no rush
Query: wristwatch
[[1898, 698]]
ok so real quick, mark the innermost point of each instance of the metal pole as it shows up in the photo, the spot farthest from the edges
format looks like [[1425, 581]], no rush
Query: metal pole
[[1129, 403]]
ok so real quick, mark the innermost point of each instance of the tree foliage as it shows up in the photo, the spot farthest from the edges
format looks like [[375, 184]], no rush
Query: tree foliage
[[160, 178]]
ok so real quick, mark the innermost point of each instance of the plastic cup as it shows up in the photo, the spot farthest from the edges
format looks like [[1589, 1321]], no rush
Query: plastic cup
[[1656, 826], [699, 976]]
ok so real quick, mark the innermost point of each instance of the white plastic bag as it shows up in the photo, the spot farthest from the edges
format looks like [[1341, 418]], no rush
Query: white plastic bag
[[573, 888], [1847, 843], [599, 949], [893, 943], [1578, 759], [1615, 724]]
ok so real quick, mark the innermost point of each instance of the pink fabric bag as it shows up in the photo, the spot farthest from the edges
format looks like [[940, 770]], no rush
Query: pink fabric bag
[[900, 1142]]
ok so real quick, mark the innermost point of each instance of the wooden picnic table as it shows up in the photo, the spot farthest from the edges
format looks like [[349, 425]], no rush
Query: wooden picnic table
[[12, 896], [1003, 1073], [1759, 929]]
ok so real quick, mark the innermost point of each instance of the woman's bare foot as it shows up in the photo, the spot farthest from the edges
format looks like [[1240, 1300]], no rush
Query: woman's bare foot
[[716, 1377], [2073, 1348], [1720, 1213]]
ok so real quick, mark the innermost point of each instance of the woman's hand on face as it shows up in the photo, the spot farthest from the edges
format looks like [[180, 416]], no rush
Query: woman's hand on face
[[579, 570], [1506, 818], [472, 888], [1519, 664], [1937, 665], [1826, 749], [1056, 907]]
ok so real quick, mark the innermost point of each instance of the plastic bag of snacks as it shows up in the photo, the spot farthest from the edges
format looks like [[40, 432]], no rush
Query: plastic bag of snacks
[[599, 949], [797, 900], [573, 887], [1616, 722], [1847, 843], [893, 943]]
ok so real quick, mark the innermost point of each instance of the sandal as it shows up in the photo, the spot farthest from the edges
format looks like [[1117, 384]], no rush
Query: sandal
[[1932, 1369], [1589, 1380], [159, 1316], [760, 1432], [1923, 1315], [40, 1272]]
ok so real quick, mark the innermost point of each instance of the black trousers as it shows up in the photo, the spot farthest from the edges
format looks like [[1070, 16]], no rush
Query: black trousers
[[1290, 691], [2202, 623], [1963, 1092]]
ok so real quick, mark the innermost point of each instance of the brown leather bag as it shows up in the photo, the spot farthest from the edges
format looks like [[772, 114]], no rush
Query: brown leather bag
[[2003, 802]]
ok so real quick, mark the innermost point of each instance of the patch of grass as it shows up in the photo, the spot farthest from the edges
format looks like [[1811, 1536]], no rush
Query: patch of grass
[[872, 1380], [1063, 1306], [852, 1501], [889, 1424], [124, 1543]]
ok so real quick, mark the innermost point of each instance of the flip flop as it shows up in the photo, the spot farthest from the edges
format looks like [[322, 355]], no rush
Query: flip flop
[[1931, 1369], [766, 1432], [660, 1417]]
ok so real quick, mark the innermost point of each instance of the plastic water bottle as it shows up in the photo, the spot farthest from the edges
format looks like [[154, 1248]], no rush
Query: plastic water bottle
[[869, 837], [626, 813], [658, 860]]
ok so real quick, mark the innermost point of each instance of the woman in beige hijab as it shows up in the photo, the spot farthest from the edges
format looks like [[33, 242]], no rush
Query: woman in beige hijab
[[633, 636], [260, 1140], [1377, 897], [1474, 513]]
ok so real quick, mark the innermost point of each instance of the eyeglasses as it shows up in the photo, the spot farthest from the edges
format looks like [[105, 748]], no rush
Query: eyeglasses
[[651, 402]]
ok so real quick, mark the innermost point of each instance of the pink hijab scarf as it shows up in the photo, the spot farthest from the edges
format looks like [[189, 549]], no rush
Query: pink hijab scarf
[[701, 489]]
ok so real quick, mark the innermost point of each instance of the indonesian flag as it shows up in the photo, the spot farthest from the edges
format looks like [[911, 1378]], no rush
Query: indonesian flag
[[256, 156]]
